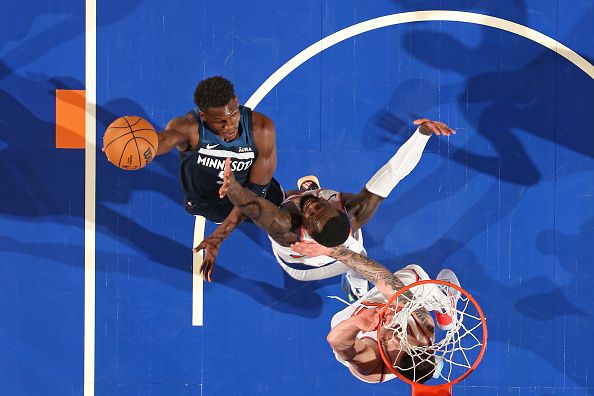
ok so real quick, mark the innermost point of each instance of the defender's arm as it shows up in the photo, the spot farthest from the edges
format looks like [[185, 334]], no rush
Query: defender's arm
[[275, 222], [361, 207]]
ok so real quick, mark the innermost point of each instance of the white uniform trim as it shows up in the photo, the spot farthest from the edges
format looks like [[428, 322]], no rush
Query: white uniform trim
[[226, 153]]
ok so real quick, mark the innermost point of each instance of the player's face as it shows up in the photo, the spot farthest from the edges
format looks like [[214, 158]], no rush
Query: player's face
[[316, 212], [224, 121]]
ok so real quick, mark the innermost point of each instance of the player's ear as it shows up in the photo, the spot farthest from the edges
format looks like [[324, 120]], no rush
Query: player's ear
[[235, 100], [202, 116]]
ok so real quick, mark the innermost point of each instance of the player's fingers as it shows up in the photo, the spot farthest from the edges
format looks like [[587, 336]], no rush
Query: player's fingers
[[200, 246], [223, 189], [420, 121], [205, 269], [443, 130], [433, 128]]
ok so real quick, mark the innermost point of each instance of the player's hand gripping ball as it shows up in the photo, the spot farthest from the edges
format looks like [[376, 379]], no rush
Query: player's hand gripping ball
[[130, 142]]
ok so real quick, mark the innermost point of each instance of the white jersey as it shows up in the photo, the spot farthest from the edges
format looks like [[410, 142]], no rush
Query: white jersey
[[321, 267], [373, 300]]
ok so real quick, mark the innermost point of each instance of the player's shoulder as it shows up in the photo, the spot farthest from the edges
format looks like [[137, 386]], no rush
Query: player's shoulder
[[184, 124], [261, 123]]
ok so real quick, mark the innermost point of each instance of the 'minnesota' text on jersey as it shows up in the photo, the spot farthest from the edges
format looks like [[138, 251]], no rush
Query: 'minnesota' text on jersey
[[202, 168]]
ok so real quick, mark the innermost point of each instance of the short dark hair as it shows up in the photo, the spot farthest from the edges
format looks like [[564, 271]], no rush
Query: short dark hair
[[335, 232], [418, 369], [213, 92]]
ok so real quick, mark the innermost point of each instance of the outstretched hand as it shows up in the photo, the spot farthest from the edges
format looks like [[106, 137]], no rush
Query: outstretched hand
[[427, 127], [311, 249], [228, 178], [210, 245]]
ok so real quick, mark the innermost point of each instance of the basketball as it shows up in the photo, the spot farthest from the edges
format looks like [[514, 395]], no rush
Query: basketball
[[130, 142]]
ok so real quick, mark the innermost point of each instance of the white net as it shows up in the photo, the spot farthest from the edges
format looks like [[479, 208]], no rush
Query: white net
[[449, 353]]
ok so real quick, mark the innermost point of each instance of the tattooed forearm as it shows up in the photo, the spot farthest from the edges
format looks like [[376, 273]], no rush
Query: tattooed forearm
[[368, 268], [375, 272]]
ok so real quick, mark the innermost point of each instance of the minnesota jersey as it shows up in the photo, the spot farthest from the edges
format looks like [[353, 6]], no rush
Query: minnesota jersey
[[285, 254], [201, 171]]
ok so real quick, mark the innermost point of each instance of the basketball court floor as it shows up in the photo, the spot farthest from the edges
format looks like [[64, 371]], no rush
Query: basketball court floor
[[96, 284]]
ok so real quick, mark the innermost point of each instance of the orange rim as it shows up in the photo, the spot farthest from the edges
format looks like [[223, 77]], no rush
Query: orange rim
[[418, 386]]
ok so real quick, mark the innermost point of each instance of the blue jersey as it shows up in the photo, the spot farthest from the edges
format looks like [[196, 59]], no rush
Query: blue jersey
[[201, 172]]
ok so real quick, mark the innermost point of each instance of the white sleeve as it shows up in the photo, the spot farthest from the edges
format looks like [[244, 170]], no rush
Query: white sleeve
[[399, 166]]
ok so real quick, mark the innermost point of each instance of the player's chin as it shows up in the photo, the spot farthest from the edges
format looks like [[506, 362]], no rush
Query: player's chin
[[230, 134]]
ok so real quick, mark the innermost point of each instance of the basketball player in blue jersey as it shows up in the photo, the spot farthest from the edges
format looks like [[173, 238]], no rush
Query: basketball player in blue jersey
[[217, 129], [326, 216]]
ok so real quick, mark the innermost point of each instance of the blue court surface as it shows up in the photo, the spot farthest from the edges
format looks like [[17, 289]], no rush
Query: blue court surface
[[507, 203]]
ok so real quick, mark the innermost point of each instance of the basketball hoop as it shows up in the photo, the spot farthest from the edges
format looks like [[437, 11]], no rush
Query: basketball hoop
[[454, 353]]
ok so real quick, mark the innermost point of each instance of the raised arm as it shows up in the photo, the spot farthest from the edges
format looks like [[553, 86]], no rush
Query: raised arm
[[385, 281], [361, 207], [177, 133], [277, 223]]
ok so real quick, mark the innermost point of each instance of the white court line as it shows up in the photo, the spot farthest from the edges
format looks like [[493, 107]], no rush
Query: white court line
[[416, 16], [197, 280], [90, 187]]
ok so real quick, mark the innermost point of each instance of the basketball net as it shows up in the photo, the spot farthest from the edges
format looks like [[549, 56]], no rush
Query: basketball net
[[452, 355]]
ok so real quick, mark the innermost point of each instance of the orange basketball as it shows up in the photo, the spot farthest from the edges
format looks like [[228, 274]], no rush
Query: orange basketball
[[130, 142]]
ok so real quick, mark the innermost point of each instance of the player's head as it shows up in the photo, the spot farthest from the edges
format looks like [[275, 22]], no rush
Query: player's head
[[327, 225], [418, 368], [218, 105]]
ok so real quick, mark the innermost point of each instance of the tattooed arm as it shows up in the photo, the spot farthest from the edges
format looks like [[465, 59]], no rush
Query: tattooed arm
[[384, 280], [277, 223]]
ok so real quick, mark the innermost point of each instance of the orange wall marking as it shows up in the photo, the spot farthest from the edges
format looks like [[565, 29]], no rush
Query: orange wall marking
[[70, 119]]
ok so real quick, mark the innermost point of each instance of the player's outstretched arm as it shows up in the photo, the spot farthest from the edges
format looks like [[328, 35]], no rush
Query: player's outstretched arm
[[361, 207], [275, 222], [212, 243], [383, 279], [174, 135]]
